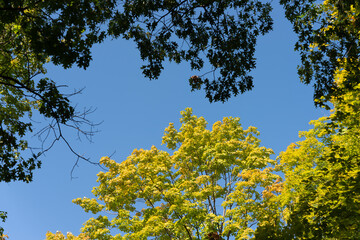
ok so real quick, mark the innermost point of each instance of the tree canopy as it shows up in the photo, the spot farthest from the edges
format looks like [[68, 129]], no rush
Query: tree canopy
[[318, 197], [211, 184], [204, 171]]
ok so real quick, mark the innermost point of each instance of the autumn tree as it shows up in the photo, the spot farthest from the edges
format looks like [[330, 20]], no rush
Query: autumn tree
[[211, 184]]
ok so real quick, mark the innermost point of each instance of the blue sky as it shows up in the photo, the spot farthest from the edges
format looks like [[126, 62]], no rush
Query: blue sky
[[135, 112]]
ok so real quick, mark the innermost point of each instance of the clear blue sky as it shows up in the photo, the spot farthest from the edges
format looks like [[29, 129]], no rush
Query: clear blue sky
[[136, 111]]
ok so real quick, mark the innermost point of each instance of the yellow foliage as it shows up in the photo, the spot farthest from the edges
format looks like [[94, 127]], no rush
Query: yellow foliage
[[69, 236], [197, 188]]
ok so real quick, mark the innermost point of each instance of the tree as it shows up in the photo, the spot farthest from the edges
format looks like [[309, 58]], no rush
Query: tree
[[321, 191], [210, 185]]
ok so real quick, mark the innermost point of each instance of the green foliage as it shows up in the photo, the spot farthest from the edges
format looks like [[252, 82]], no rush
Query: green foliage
[[216, 184], [222, 33], [219, 183]]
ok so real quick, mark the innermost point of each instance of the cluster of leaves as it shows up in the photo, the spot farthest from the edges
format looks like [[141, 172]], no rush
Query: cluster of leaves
[[69, 236], [63, 30], [223, 32], [3, 216], [219, 184], [321, 191], [4, 237]]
